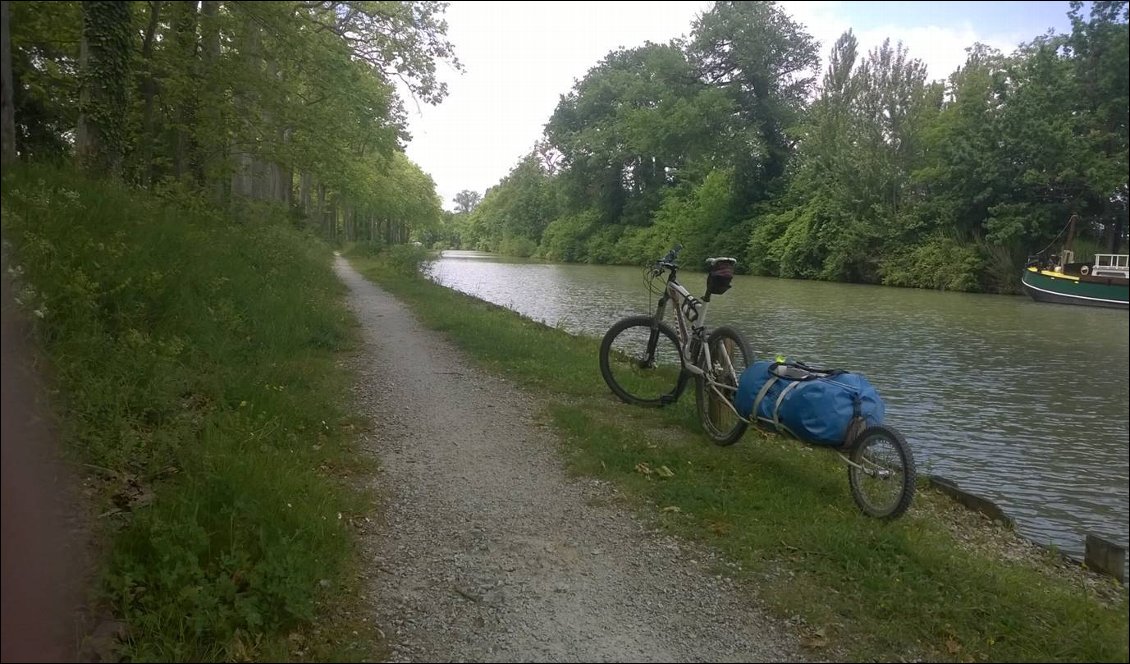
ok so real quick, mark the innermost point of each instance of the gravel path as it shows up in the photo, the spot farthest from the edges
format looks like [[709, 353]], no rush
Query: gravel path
[[489, 552]]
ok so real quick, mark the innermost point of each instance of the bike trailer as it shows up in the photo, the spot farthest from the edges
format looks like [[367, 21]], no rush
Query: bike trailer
[[814, 405]]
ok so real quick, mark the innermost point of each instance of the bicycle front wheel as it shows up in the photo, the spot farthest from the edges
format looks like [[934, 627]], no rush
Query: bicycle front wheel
[[882, 473], [716, 389], [641, 362]]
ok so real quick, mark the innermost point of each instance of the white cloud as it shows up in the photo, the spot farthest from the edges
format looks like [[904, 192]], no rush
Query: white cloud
[[940, 48]]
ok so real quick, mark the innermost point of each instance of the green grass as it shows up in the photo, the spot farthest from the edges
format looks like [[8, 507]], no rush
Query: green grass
[[197, 367], [866, 589]]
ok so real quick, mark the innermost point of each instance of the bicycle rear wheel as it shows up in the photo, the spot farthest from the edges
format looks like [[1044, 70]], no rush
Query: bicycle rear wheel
[[882, 475], [729, 357], [641, 362]]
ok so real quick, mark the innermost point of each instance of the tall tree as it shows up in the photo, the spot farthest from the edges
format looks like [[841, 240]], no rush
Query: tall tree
[[107, 51], [466, 201], [767, 63], [853, 172], [637, 118], [7, 104], [1100, 49]]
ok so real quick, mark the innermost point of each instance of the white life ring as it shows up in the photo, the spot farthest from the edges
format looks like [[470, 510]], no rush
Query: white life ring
[[1084, 270]]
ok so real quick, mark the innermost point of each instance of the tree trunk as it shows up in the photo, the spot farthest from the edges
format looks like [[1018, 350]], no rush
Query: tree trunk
[[241, 178], [148, 92], [210, 145], [287, 177], [304, 181], [1114, 233], [105, 55], [322, 210], [261, 180], [7, 98], [84, 139], [247, 180], [184, 40]]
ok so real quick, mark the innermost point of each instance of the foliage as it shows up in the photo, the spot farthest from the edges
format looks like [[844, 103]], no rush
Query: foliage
[[406, 259], [726, 144], [107, 41], [515, 212], [466, 200], [564, 238], [636, 120], [520, 246], [766, 63], [940, 263], [195, 361], [290, 102]]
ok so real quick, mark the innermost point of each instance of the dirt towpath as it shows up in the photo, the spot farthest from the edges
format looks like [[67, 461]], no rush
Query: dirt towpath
[[45, 571], [489, 551]]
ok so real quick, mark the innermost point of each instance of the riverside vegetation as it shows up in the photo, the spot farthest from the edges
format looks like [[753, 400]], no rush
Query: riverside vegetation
[[879, 172], [184, 301], [941, 583], [196, 370]]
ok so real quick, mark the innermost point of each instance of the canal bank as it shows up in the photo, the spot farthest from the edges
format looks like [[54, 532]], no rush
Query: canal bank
[[1022, 403], [941, 582]]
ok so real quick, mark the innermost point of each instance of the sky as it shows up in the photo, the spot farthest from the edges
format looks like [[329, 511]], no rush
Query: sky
[[520, 57]]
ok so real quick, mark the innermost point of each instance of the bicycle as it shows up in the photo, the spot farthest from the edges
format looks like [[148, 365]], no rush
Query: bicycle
[[641, 356]]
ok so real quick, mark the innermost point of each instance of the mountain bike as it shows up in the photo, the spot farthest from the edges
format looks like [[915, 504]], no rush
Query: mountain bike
[[647, 362]]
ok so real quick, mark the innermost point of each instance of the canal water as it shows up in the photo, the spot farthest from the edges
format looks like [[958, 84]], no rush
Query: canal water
[[1024, 403]]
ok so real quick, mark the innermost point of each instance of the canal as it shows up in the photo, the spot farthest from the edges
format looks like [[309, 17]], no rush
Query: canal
[[1023, 403]]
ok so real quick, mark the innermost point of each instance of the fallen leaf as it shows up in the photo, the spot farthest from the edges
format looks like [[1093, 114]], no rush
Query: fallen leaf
[[952, 646], [643, 469], [664, 471], [720, 528], [671, 508], [819, 639]]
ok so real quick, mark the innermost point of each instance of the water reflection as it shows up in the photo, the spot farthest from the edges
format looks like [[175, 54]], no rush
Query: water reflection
[[1022, 402]]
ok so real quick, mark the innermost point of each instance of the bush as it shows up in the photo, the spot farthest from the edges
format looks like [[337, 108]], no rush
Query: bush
[[367, 248], [517, 245], [407, 259], [940, 263], [564, 238]]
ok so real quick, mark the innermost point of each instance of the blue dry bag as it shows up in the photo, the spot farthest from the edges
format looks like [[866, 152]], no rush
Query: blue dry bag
[[814, 405]]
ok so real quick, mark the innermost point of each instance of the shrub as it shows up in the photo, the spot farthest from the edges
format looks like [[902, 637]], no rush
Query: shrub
[[939, 263], [407, 259]]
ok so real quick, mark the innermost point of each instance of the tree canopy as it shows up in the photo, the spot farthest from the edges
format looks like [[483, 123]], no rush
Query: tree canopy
[[287, 102], [736, 141]]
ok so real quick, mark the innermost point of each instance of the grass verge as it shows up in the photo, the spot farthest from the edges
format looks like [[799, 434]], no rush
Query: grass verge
[[935, 584], [196, 363]]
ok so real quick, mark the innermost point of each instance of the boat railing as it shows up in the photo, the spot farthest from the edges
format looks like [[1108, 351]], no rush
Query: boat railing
[[1112, 260]]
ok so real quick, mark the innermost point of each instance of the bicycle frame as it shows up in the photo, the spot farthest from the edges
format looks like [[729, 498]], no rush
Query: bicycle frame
[[685, 326], [691, 327]]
